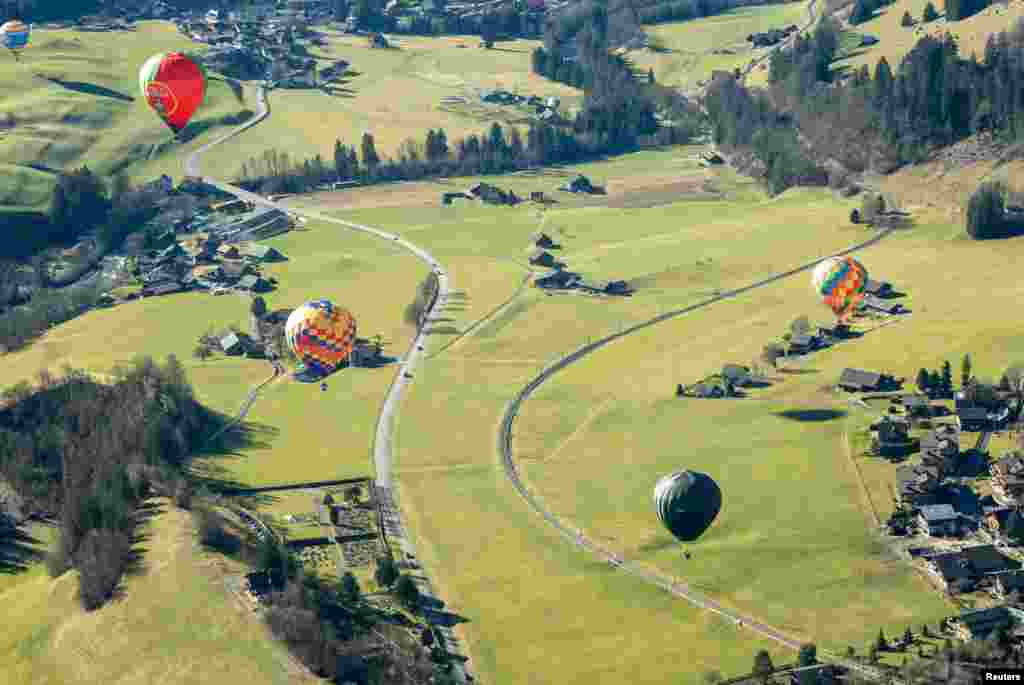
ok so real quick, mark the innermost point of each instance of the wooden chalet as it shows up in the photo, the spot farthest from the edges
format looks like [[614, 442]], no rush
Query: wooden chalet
[[856, 380], [979, 624]]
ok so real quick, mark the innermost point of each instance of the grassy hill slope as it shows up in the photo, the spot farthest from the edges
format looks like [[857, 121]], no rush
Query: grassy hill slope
[[176, 623]]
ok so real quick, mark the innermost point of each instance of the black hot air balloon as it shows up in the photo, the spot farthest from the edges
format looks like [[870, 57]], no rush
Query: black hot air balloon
[[687, 502]]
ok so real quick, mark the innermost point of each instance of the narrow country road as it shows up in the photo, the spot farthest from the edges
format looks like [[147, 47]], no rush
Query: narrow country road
[[406, 371], [668, 583]]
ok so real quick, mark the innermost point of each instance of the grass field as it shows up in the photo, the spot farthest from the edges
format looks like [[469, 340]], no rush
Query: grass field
[[161, 629], [74, 96], [395, 95], [689, 47], [895, 40]]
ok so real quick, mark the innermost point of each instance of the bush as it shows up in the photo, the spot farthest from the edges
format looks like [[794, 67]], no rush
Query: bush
[[986, 214], [854, 216], [213, 532]]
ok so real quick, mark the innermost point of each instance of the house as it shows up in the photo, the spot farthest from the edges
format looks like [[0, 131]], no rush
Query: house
[[233, 206], [986, 560], [916, 405], [880, 305], [917, 485], [607, 287], [707, 390], [542, 240], [580, 184], [736, 374], [952, 571], [164, 185], [541, 258], [162, 288], [996, 518], [235, 270], [972, 418], [802, 343], [940, 444], [939, 520], [878, 288], [978, 624], [556, 279], [1005, 583], [231, 344], [228, 251], [855, 380], [259, 253], [1008, 476], [253, 283]]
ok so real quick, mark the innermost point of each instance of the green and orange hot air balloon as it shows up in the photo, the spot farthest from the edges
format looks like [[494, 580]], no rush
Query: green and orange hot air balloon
[[174, 87]]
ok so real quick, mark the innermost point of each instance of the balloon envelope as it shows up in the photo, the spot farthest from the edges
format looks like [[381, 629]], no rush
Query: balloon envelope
[[15, 34], [687, 502], [321, 335], [840, 281], [174, 86]]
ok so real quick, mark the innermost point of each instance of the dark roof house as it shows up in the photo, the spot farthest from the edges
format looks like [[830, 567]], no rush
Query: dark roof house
[[253, 283], [1008, 476], [940, 519], [556, 279], [803, 343], [978, 624], [1005, 583], [972, 418], [856, 380], [235, 270], [878, 288], [259, 252], [878, 304]]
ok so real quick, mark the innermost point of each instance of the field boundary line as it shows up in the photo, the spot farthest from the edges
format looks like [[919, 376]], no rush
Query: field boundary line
[[584, 424], [848, 448], [470, 330]]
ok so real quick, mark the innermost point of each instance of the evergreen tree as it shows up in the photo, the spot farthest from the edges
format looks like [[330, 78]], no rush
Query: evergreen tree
[[947, 379], [908, 636], [407, 592], [965, 371], [369, 151], [650, 76], [930, 13], [808, 656], [863, 10], [763, 667], [923, 381], [348, 589], [906, 20], [880, 642], [387, 571]]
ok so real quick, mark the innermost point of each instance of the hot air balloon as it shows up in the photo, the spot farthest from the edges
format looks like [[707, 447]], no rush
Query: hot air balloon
[[687, 502], [321, 335], [841, 282], [174, 86], [15, 36]]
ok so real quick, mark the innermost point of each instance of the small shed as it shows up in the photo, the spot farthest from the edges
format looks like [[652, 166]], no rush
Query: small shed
[[556, 279], [231, 344], [856, 380]]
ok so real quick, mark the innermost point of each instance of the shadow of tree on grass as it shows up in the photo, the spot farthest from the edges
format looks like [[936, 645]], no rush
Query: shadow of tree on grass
[[811, 415]]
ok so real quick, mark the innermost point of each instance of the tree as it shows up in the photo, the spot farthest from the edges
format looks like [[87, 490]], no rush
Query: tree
[[965, 371], [259, 307], [78, 203], [850, 652], [407, 592], [855, 216], [906, 20], [800, 326], [712, 677], [808, 656], [763, 667], [930, 13], [650, 76], [908, 636], [348, 589], [947, 379], [986, 212], [202, 352], [923, 381], [925, 630], [387, 571], [880, 642], [427, 637], [369, 152]]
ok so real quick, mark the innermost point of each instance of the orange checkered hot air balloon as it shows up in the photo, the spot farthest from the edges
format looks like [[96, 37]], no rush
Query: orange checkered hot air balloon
[[321, 335], [841, 282]]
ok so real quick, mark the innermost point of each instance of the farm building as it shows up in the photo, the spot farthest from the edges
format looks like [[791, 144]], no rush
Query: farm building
[[856, 380], [259, 253], [736, 374], [162, 288], [235, 270], [961, 571], [939, 520], [879, 305], [606, 287], [878, 288], [231, 344], [972, 418], [556, 279], [979, 624], [800, 344], [541, 258], [917, 485], [1008, 476], [253, 283]]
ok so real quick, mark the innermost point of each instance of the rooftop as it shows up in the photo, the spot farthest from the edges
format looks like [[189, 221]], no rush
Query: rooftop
[[936, 513]]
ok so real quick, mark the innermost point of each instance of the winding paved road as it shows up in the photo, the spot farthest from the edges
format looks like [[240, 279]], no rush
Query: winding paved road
[[668, 583], [385, 421]]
